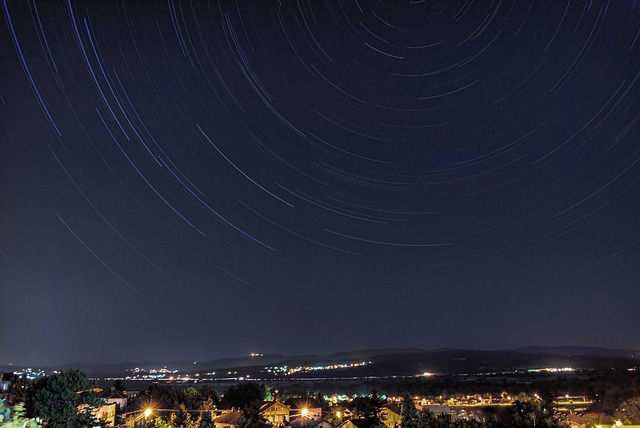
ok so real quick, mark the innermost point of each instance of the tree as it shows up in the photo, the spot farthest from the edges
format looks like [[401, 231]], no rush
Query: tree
[[408, 412], [14, 417], [629, 411], [118, 385], [530, 412], [245, 421], [324, 404], [182, 417], [208, 415], [369, 409], [20, 390], [65, 400], [248, 397], [250, 415], [244, 395], [153, 423], [426, 419], [207, 393]]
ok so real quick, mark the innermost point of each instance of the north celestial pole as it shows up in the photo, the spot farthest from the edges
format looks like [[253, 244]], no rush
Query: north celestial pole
[[188, 180]]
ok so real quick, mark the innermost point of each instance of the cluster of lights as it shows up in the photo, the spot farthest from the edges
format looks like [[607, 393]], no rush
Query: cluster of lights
[[460, 400], [337, 398], [284, 370], [425, 374], [275, 369], [164, 370], [552, 370], [477, 400], [153, 374], [31, 374]]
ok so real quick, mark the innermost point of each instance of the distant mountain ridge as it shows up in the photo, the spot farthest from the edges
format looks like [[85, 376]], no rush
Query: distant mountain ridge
[[399, 361], [578, 350]]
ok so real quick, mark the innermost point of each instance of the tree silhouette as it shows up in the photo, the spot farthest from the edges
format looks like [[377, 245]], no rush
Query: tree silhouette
[[244, 395], [65, 400], [369, 409], [408, 412], [14, 417], [629, 411]]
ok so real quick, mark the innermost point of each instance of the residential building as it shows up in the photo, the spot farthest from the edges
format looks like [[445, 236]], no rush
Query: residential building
[[391, 415], [112, 395], [276, 412], [228, 419], [442, 411], [310, 423], [354, 423], [105, 414]]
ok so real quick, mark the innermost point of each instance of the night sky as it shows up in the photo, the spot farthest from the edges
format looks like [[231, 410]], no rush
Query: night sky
[[188, 180]]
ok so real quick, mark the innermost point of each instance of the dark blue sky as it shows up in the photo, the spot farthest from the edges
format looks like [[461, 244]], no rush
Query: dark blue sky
[[192, 180]]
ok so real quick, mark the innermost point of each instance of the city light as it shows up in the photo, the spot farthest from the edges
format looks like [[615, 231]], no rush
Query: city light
[[552, 370], [287, 371]]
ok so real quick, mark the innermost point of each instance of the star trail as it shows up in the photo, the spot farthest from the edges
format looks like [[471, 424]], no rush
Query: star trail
[[203, 179]]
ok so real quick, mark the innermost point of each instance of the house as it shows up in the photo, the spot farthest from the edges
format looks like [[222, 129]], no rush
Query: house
[[228, 419], [106, 414], [306, 408], [310, 423], [589, 420], [275, 412], [354, 423], [391, 415], [261, 425], [112, 395], [442, 411]]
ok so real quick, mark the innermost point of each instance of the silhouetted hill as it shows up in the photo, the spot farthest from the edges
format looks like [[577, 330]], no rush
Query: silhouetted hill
[[579, 350], [368, 353], [395, 362]]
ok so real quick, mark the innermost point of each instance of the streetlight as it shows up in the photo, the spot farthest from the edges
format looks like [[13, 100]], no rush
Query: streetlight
[[146, 413]]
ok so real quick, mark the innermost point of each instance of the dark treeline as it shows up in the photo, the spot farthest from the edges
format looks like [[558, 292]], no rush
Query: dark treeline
[[167, 397]]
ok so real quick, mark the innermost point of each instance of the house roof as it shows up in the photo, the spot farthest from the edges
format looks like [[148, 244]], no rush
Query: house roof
[[438, 409], [392, 408], [601, 418], [358, 423], [305, 423], [112, 393], [268, 404], [230, 418]]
